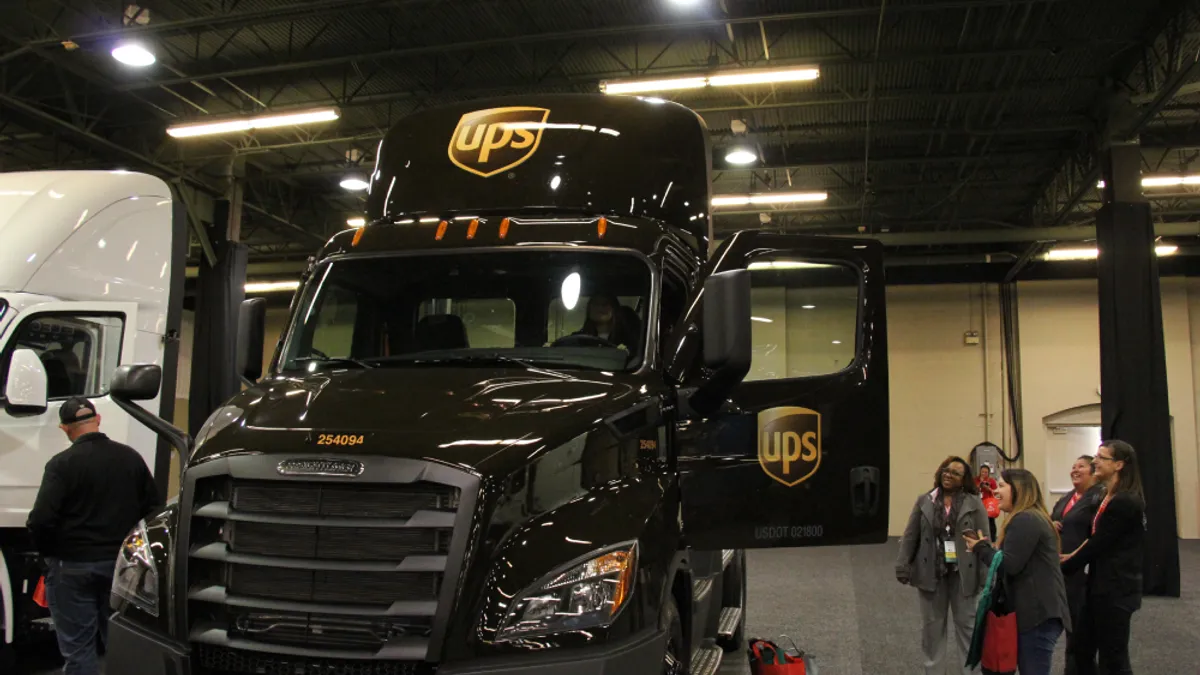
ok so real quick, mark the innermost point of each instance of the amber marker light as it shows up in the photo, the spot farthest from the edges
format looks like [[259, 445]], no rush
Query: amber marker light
[[504, 227], [441, 231], [472, 228], [602, 227]]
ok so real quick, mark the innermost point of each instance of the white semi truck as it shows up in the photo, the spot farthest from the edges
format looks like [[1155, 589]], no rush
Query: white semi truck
[[91, 277]]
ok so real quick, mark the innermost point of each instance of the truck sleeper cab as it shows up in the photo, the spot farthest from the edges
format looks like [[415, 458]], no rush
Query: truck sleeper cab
[[91, 277], [506, 428]]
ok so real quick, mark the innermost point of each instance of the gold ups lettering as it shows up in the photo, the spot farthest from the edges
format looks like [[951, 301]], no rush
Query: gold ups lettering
[[789, 444], [491, 141]]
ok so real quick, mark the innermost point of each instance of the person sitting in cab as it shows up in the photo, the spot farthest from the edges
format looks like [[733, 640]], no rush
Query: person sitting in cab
[[609, 320]]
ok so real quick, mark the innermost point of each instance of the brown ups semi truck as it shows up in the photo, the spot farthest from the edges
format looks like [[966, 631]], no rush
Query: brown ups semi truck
[[520, 422]]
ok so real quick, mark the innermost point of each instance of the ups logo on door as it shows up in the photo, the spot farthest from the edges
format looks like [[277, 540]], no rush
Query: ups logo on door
[[491, 141], [789, 444]]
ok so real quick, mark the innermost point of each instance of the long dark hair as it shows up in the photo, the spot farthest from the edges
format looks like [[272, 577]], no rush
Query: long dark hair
[[968, 480], [1129, 478]]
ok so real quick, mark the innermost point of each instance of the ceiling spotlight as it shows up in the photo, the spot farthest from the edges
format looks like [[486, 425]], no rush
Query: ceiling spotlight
[[741, 155], [133, 54], [354, 183], [356, 222]]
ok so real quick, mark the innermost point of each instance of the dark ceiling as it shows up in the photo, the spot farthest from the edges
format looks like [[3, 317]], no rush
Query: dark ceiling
[[946, 127]]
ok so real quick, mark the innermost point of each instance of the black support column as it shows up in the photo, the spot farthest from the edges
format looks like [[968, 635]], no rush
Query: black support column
[[220, 291], [1133, 366]]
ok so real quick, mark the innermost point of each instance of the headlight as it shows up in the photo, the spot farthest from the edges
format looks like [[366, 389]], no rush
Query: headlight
[[585, 595], [135, 577]]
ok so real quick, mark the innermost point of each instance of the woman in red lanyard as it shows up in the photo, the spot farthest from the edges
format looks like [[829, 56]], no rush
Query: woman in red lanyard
[[1112, 556], [1072, 516]]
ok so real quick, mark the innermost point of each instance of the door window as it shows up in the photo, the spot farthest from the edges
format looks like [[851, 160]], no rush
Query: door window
[[804, 318], [79, 352], [333, 334]]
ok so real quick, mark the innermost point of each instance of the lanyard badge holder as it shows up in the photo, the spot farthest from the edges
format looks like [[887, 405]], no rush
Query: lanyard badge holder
[[949, 549]]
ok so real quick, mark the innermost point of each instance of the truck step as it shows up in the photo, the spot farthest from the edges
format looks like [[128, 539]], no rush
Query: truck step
[[701, 589], [706, 660], [730, 618]]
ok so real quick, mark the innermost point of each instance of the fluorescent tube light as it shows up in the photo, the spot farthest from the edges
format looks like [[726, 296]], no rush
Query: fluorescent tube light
[[271, 286], [257, 122], [738, 78], [133, 54], [356, 222], [769, 198], [729, 78], [641, 86], [1162, 181], [1093, 253]]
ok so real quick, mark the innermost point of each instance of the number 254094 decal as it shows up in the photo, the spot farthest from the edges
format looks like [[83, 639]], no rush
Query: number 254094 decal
[[339, 439]]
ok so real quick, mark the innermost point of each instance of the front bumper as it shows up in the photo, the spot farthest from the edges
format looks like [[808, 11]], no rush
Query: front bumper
[[132, 650]]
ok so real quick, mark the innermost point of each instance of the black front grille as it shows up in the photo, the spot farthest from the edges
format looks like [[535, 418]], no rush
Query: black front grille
[[336, 543], [341, 501], [224, 661], [332, 587], [314, 565]]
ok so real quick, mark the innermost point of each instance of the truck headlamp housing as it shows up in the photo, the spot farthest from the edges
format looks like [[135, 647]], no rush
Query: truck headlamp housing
[[135, 577], [584, 595]]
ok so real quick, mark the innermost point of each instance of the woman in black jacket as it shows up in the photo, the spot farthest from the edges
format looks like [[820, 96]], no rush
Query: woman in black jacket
[[1032, 576], [1073, 515], [1113, 557]]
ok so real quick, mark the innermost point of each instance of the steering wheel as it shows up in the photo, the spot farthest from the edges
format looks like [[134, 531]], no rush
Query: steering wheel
[[581, 340]]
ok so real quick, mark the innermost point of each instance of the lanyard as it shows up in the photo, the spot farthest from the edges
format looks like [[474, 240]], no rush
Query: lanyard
[[1067, 509], [1103, 505]]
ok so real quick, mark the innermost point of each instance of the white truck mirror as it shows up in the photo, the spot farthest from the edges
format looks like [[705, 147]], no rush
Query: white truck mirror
[[25, 391]]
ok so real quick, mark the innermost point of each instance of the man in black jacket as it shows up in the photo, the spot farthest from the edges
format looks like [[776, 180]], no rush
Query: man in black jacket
[[92, 494]]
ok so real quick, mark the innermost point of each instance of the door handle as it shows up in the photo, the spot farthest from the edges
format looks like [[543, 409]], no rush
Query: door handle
[[864, 490]]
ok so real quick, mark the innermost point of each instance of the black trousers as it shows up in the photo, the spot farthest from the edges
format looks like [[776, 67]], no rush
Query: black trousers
[[1103, 631]]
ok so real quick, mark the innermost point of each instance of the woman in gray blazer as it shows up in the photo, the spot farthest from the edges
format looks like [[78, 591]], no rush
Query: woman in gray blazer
[[934, 558], [1032, 573]]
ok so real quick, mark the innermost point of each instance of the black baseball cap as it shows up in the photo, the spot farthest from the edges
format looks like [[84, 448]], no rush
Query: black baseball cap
[[76, 409]]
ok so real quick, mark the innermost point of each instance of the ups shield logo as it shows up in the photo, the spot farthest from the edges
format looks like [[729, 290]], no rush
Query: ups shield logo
[[789, 444], [488, 142]]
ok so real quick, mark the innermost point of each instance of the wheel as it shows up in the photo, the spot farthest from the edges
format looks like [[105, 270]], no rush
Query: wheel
[[675, 656]]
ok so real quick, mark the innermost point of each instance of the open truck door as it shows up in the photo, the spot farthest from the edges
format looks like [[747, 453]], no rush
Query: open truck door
[[798, 453]]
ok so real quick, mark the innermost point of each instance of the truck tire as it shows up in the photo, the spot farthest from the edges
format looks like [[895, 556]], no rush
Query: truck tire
[[675, 656]]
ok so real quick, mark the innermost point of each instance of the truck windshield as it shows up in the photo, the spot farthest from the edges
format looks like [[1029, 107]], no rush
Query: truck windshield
[[584, 309]]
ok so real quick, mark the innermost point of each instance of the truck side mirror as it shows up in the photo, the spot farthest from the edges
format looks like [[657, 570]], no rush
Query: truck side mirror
[[25, 390], [252, 328], [141, 382], [727, 341]]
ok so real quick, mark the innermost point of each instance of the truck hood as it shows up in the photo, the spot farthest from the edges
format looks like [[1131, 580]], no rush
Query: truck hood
[[488, 419]]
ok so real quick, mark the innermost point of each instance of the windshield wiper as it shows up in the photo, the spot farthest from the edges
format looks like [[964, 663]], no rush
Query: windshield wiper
[[336, 360]]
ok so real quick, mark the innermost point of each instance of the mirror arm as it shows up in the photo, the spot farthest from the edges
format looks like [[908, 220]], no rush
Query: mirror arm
[[174, 435], [178, 438]]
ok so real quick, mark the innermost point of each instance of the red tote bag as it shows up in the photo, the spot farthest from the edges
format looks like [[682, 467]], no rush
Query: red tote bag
[[999, 644], [767, 658]]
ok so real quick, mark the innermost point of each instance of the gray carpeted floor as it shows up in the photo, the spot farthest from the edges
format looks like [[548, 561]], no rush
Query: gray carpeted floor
[[844, 606]]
